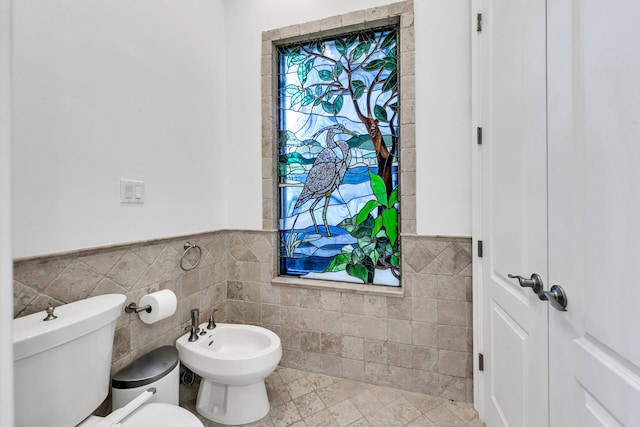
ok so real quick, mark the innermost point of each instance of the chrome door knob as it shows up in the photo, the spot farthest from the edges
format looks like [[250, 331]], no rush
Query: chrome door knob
[[535, 282], [557, 297]]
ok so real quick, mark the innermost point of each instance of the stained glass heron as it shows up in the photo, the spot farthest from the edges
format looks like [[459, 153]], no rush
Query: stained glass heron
[[327, 172]]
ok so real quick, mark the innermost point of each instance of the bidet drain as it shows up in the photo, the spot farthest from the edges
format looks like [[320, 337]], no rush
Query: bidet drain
[[187, 377]]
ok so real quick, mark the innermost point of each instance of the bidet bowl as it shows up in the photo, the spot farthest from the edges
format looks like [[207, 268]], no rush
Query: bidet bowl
[[232, 354]]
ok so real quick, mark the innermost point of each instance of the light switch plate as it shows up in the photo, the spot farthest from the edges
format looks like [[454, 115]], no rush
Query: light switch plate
[[131, 191]]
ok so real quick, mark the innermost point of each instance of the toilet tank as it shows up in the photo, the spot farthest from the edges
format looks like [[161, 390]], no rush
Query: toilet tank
[[62, 366]]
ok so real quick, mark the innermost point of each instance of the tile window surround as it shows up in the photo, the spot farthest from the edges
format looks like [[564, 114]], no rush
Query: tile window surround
[[418, 338], [421, 342]]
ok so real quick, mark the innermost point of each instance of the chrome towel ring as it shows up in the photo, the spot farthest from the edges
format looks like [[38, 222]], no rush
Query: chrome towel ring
[[190, 266]]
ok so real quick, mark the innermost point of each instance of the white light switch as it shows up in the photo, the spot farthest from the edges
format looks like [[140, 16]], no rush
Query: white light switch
[[131, 191]]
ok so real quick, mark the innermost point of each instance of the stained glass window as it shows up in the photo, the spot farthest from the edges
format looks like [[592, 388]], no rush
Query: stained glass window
[[338, 158]]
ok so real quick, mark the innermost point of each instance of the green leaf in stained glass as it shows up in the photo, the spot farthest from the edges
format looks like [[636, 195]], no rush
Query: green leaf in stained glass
[[393, 197], [363, 270], [341, 46], [375, 256], [357, 255], [380, 113], [358, 88], [327, 107], [374, 65], [339, 263], [325, 75], [390, 64], [391, 82], [377, 226], [337, 69], [292, 89], [297, 98], [363, 229], [318, 90], [337, 104], [358, 270], [309, 63], [348, 224], [318, 46], [366, 210], [367, 37], [389, 40], [379, 189], [296, 59], [390, 221], [368, 246], [360, 50], [347, 250], [303, 73], [351, 39]]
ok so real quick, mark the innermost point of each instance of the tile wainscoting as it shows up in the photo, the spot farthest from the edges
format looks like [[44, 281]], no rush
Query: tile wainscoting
[[134, 270], [421, 342]]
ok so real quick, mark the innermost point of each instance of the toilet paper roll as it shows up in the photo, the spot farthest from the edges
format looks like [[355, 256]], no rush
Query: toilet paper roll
[[163, 304]]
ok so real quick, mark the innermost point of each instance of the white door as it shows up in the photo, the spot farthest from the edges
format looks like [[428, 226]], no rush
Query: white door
[[594, 211], [514, 212], [569, 191]]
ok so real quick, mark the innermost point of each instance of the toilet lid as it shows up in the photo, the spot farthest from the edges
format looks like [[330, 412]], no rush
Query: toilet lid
[[161, 415]]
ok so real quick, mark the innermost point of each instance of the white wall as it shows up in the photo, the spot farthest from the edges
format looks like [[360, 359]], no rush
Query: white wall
[[443, 117], [105, 90], [6, 270], [443, 107], [169, 92]]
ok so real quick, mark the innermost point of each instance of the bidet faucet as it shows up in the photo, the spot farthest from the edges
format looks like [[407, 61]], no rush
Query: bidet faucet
[[193, 336], [195, 318], [212, 322], [195, 315]]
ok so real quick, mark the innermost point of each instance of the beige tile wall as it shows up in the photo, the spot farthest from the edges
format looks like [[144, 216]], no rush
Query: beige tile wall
[[419, 342], [133, 270]]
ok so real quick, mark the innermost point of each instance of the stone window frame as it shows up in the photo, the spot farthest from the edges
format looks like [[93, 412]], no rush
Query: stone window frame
[[336, 25]]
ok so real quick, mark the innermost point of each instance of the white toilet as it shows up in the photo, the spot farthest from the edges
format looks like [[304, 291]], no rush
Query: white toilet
[[62, 366]]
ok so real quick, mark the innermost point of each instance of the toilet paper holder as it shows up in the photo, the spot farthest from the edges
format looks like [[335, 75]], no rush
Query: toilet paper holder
[[133, 308]]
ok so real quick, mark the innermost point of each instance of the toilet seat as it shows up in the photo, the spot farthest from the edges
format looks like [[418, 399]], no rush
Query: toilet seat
[[154, 414], [161, 415]]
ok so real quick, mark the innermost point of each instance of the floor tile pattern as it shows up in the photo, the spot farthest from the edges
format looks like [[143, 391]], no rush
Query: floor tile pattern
[[305, 399]]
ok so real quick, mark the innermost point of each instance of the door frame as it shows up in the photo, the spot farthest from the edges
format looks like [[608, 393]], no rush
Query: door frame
[[476, 208]]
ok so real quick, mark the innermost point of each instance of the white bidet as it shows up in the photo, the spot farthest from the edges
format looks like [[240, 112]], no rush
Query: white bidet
[[233, 361]]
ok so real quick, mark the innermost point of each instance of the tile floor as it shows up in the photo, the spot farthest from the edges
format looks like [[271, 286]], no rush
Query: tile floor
[[304, 399]]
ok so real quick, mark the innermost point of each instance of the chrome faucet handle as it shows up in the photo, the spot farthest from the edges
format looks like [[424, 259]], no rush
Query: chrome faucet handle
[[212, 323], [193, 336], [195, 317]]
